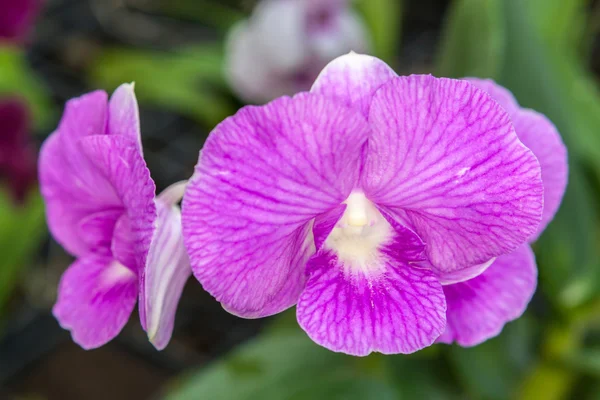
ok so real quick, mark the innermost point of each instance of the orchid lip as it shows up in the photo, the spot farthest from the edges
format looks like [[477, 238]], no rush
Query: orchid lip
[[359, 234]]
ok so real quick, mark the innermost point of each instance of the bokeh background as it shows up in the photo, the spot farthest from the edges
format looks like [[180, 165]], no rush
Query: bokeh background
[[547, 52]]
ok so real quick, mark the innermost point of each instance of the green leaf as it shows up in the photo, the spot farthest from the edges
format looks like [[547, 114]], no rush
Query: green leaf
[[189, 81], [547, 75], [551, 80], [21, 230], [384, 20], [473, 40], [560, 22], [16, 78], [423, 375], [286, 367], [283, 323]]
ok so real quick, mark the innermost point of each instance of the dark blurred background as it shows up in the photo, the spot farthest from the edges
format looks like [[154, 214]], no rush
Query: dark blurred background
[[546, 52]]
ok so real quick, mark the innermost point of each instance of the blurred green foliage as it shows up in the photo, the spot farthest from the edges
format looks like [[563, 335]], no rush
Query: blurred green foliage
[[286, 365], [188, 81], [283, 363], [207, 12], [16, 78], [21, 230], [384, 22], [22, 226], [464, 53], [191, 81]]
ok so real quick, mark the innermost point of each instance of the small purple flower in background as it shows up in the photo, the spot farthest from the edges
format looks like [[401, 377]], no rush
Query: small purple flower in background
[[478, 308], [101, 207], [356, 200], [283, 46], [16, 18], [17, 152]]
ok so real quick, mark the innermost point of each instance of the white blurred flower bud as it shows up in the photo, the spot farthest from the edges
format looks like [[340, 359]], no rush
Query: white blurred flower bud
[[283, 46]]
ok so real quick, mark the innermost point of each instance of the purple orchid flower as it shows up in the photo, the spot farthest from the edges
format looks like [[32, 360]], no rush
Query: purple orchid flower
[[283, 46], [356, 200], [17, 152], [101, 208], [17, 17], [479, 308]]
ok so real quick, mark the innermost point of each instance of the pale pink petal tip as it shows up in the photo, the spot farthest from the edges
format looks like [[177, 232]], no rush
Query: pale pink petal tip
[[540, 135]]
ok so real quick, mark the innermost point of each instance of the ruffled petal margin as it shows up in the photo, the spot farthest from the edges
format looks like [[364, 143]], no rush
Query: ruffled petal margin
[[445, 153], [96, 296], [540, 135]]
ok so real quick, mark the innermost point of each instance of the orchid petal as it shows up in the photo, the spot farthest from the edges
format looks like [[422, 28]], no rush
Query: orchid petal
[[447, 278], [124, 115], [97, 229], [445, 153], [167, 270], [95, 299], [69, 202], [122, 245], [119, 160], [388, 306], [262, 176], [353, 79], [83, 116], [503, 96], [479, 308], [540, 135], [324, 224]]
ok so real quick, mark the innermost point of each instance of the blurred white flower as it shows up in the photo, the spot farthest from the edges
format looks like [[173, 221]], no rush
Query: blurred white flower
[[283, 46]]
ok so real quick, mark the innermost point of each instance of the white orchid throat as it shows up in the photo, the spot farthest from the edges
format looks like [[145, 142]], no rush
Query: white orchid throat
[[359, 236]]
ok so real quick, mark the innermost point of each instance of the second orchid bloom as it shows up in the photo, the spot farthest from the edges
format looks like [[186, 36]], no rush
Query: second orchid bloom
[[101, 207]]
